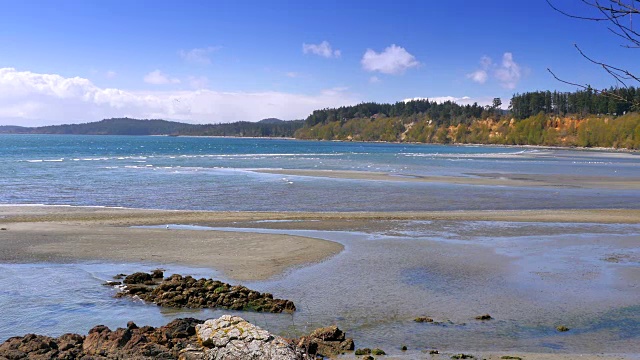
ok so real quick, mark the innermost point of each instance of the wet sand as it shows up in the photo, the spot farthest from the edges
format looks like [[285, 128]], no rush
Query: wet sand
[[239, 256], [297, 220], [486, 179]]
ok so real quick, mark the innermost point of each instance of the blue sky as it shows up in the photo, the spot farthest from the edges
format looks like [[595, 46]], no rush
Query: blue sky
[[221, 61]]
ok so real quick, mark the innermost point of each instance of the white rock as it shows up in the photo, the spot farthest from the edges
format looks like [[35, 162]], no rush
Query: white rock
[[231, 337]]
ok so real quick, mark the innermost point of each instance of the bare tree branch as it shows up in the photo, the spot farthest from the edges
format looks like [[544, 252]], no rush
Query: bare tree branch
[[618, 13]]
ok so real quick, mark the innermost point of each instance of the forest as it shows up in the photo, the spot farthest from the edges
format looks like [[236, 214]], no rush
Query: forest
[[126, 126], [582, 118]]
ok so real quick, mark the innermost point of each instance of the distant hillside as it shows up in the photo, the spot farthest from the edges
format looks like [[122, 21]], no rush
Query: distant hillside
[[270, 121], [126, 126]]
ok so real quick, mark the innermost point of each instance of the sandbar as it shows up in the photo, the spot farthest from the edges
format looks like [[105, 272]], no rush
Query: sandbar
[[239, 256], [486, 179]]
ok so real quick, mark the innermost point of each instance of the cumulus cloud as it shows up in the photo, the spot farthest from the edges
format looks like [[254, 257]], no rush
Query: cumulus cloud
[[393, 60], [508, 73], [480, 76], [110, 74], [323, 49], [157, 77], [198, 55], [464, 100], [28, 98]]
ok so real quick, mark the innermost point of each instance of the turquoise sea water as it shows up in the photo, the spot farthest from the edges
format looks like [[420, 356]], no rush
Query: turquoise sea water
[[215, 174]]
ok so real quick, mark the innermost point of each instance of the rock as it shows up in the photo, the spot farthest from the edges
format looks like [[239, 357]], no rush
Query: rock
[[463, 356], [377, 351], [511, 357], [138, 278], [562, 328], [231, 337], [368, 357], [330, 333], [132, 342], [228, 337], [112, 283], [157, 274], [327, 342], [422, 319], [434, 352], [178, 291], [365, 351], [484, 317], [3, 229], [403, 348]]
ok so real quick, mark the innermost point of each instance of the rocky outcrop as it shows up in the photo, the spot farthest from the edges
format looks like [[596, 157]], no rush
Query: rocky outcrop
[[178, 291], [328, 341], [228, 337], [131, 342]]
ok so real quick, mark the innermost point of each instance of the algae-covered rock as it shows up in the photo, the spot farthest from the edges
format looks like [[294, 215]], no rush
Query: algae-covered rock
[[138, 278], [423, 319], [484, 317], [177, 291]]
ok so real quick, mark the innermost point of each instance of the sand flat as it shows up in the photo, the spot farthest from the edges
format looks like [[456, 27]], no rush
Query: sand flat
[[132, 217], [491, 179], [239, 256]]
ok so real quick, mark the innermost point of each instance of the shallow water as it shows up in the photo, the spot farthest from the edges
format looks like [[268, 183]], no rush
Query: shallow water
[[557, 274]]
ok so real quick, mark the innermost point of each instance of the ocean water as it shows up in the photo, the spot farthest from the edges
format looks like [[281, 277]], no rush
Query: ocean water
[[216, 174]]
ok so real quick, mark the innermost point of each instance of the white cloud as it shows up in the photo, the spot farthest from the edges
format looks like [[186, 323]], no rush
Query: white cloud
[[292, 74], [198, 82], [198, 55], [323, 49], [28, 98], [481, 75], [110, 74], [393, 60], [509, 72], [465, 100], [157, 77], [374, 80]]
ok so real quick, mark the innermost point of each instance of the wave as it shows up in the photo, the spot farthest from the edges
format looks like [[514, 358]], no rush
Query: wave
[[477, 155]]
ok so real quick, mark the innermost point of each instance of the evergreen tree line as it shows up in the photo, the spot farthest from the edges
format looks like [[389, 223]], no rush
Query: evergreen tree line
[[447, 112], [583, 102]]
